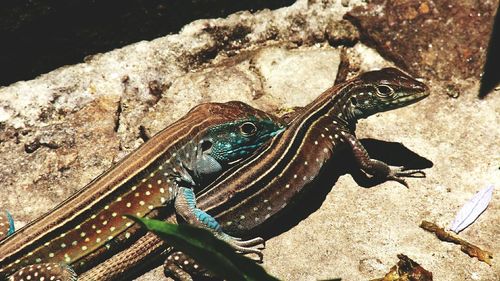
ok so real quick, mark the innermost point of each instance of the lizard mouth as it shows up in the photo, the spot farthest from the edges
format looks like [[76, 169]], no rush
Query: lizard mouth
[[411, 97]]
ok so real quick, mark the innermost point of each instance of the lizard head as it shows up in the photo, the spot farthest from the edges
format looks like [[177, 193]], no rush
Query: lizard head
[[383, 90], [228, 143]]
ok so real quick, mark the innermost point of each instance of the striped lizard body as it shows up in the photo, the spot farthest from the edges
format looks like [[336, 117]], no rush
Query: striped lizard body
[[90, 226], [254, 191], [261, 186]]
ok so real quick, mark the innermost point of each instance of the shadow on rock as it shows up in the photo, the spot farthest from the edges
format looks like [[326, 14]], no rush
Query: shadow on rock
[[313, 195]]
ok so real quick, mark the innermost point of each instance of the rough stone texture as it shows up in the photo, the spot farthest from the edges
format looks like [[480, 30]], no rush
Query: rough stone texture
[[64, 128], [34, 41], [42, 165], [450, 33]]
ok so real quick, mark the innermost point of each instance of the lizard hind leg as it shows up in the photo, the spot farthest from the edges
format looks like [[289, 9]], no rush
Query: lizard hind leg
[[45, 271], [185, 206]]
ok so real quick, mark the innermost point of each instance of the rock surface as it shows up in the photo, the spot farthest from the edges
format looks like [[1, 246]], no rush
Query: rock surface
[[449, 33], [61, 130]]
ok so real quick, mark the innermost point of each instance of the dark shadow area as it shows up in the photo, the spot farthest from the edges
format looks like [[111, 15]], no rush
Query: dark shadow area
[[395, 154], [41, 35], [392, 153], [491, 70]]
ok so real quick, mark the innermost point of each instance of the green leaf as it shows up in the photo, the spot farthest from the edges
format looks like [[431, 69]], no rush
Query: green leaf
[[209, 251]]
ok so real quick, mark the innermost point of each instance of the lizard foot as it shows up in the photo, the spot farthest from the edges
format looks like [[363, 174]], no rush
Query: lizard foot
[[397, 173], [182, 267], [245, 243], [252, 246]]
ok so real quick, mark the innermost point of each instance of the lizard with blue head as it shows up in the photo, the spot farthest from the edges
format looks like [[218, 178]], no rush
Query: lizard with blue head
[[91, 225]]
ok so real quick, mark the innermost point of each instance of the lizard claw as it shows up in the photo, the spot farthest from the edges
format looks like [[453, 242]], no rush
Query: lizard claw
[[246, 243], [398, 179], [252, 246], [397, 173], [413, 173], [250, 250], [251, 242], [233, 238]]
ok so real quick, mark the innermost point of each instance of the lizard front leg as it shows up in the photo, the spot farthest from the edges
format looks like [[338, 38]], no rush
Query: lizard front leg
[[185, 206], [378, 168]]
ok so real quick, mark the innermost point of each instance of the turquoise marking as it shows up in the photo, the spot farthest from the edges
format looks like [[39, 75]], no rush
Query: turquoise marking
[[190, 198], [207, 220], [228, 144], [11, 223], [242, 149]]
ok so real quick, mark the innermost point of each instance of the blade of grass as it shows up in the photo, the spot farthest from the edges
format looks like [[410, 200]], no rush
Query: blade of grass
[[210, 252]]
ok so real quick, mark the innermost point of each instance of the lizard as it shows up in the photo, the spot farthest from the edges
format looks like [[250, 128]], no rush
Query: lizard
[[90, 225], [256, 190]]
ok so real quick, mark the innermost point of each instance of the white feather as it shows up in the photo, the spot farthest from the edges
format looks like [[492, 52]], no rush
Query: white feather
[[472, 209]]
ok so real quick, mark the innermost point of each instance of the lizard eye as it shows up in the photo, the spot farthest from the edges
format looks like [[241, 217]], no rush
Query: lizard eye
[[384, 90], [205, 145], [248, 128]]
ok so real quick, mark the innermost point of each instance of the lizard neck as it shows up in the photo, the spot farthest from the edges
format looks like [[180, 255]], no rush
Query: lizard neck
[[319, 124], [334, 104]]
